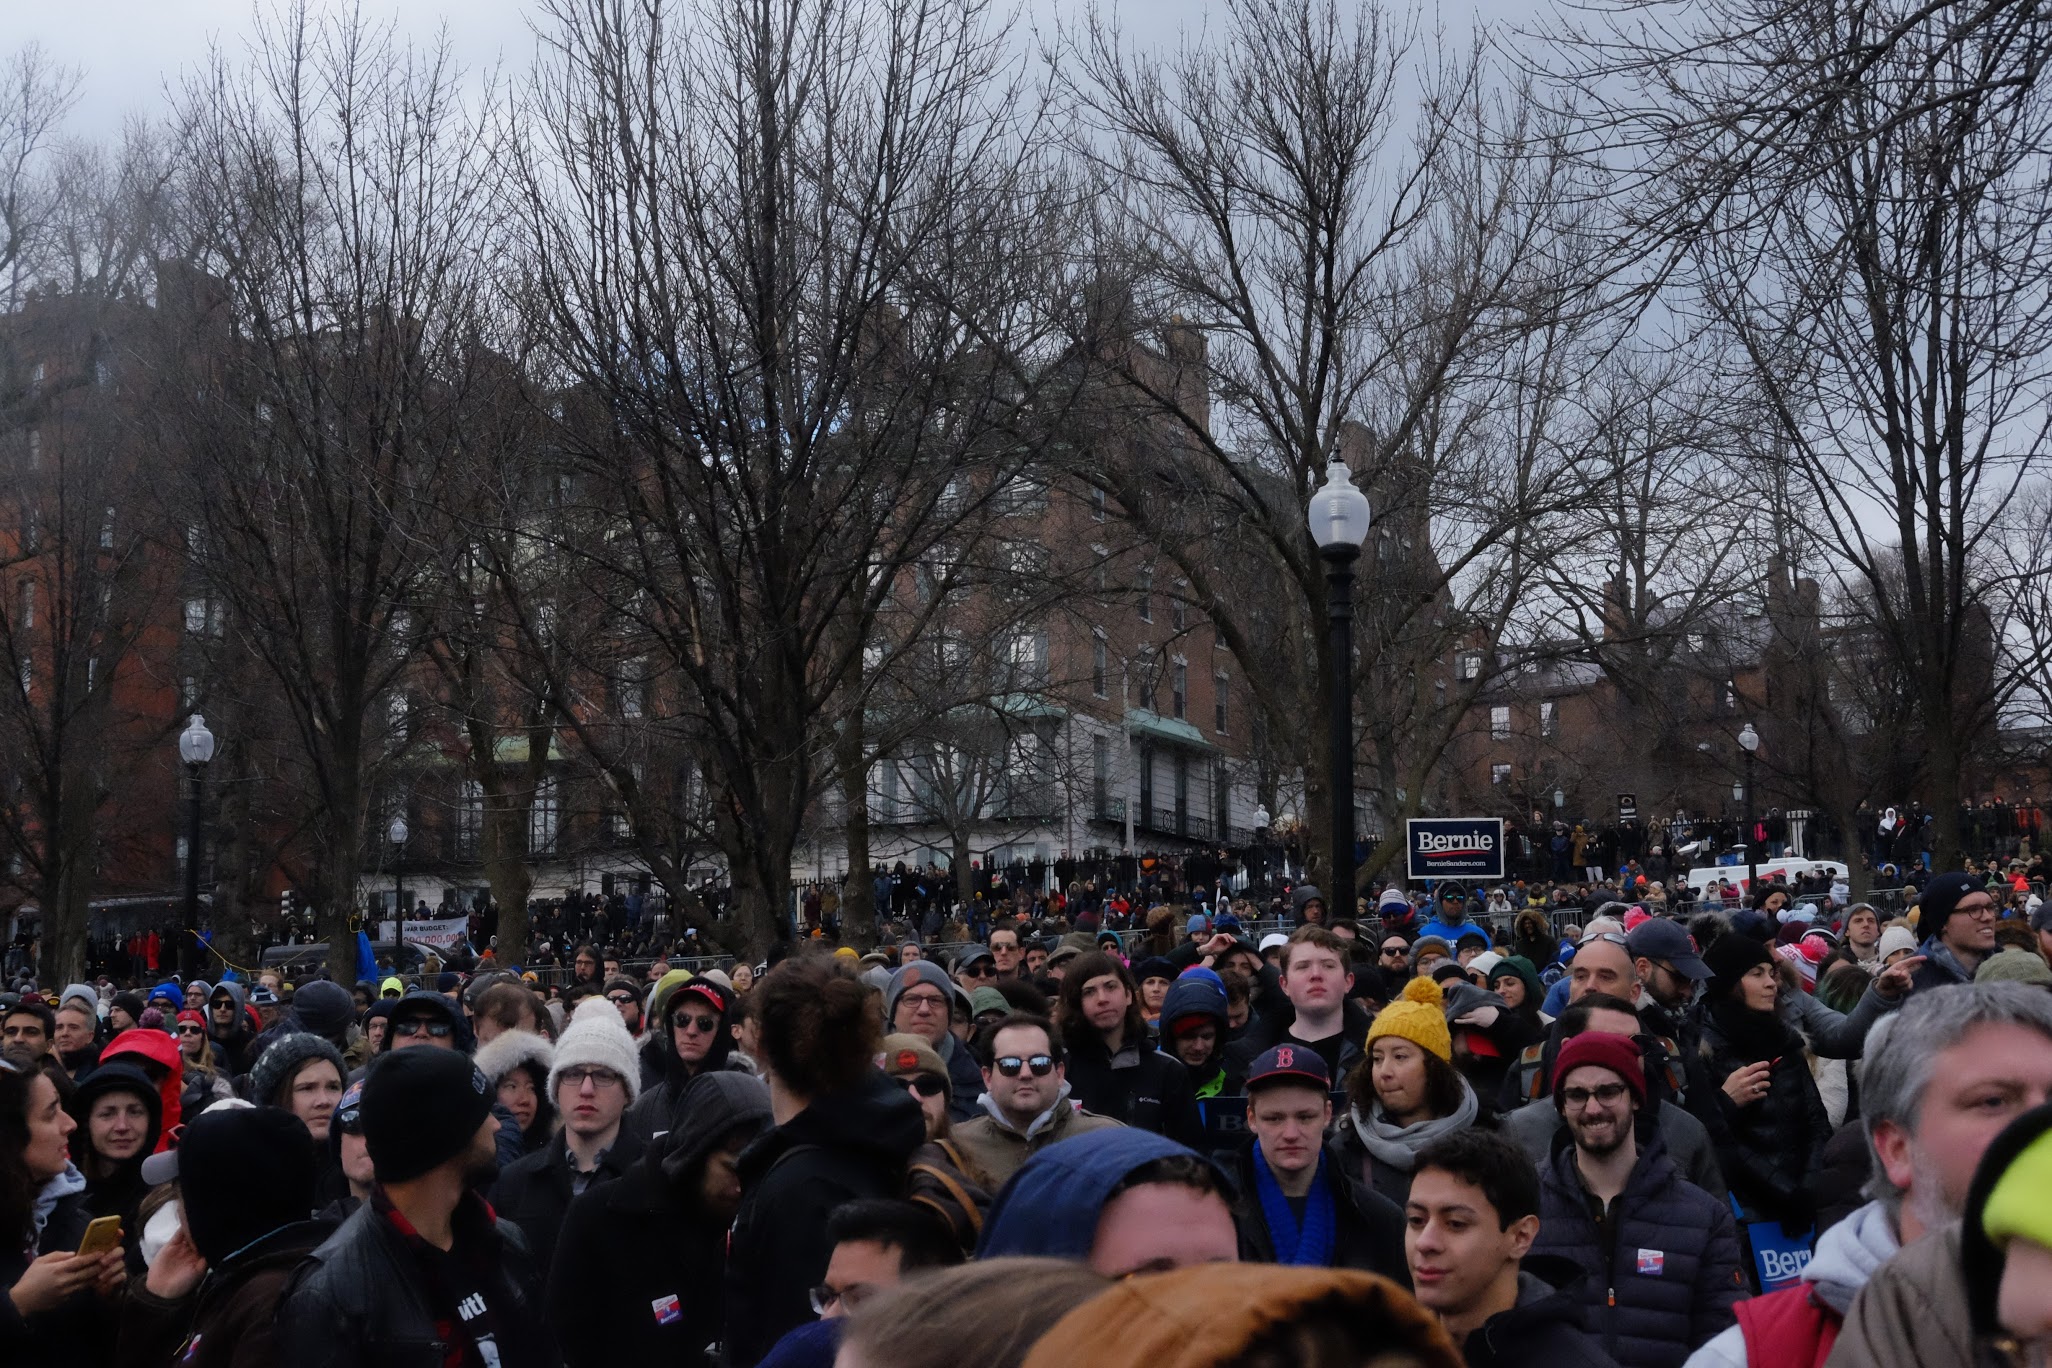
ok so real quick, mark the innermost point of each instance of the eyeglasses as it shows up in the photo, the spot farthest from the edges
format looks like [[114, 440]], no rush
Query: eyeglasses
[[924, 1002], [599, 1078], [437, 1030], [926, 1085], [693, 1022], [1986, 909], [1010, 1065], [1609, 937], [825, 1298], [1606, 1094]]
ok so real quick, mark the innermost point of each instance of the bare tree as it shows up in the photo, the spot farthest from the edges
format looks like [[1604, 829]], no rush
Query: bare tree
[[1420, 315], [35, 95], [790, 251], [1884, 278], [336, 194]]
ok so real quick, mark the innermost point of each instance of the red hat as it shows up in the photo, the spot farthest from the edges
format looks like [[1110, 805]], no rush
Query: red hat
[[198, 1019], [1619, 1054]]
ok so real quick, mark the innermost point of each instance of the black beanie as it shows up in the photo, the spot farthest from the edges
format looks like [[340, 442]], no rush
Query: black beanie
[[421, 1106], [325, 1009], [242, 1173], [1729, 957], [1935, 903]]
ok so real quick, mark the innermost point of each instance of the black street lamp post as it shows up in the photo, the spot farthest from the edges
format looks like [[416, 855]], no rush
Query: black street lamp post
[[1339, 524], [196, 748]]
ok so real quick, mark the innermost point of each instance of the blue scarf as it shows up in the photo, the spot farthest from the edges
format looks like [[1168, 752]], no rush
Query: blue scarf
[[1310, 1245]]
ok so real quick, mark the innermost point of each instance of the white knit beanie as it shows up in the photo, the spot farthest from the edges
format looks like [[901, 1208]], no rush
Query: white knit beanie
[[597, 1035]]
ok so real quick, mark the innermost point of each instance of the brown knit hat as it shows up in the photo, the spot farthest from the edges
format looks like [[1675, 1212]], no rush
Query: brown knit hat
[[1211, 1314]]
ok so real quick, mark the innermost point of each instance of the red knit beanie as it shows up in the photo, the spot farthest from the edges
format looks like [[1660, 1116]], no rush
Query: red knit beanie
[[1619, 1054]]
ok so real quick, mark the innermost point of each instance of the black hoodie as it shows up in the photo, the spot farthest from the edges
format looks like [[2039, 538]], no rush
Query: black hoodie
[[839, 1149], [627, 1247], [116, 1189], [1544, 1329]]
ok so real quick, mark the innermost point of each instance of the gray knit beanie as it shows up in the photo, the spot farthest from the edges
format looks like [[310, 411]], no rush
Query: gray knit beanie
[[281, 1060]]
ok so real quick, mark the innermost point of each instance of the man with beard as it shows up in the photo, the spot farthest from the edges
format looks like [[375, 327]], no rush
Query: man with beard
[[1662, 1254], [424, 1261]]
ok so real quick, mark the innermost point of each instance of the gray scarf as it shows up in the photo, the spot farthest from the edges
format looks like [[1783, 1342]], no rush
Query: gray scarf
[[1398, 1146], [55, 1191]]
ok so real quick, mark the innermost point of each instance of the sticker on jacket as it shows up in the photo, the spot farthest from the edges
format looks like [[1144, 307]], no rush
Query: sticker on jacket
[[1651, 1262]]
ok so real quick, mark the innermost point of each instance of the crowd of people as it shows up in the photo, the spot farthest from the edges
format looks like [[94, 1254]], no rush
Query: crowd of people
[[1784, 1132]]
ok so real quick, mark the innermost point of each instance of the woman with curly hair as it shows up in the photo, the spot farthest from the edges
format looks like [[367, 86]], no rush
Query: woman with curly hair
[[843, 1131]]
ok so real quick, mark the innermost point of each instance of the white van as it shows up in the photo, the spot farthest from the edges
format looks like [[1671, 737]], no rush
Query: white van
[[1770, 871]]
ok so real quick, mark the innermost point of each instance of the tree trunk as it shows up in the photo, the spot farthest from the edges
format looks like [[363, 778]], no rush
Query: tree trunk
[[858, 894]]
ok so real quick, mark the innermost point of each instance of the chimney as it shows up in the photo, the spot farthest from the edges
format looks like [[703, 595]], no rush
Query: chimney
[[1188, 356]]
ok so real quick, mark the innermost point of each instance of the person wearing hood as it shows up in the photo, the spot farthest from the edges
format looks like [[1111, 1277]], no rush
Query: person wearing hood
[[1026, 1106], [156, 1053], [843, 1131], [53, 1303], [1298, 1204], [1471, 1221], [1662, 1252], [246, 1180], [120, 1114], [1956, 917], [1940, 1081], [689, 1034], [644, 1256], [1406, 1095], [1514, 979], [590, 1081], [228, 1026], [921, 1001], [1451, 922], [1307, 905], [1123, 1201], [1751, 1087], [1194, 1028], [321, 1009], [1487, 1036], [302, 1074], [517, 1063]]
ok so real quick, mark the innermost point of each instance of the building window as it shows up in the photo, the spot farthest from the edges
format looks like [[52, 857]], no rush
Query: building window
[[27, 618], [1179, 611], [1100, 665], [1221, 690], [1468, 666], [1097, 505], [469, 819], [1146, 593], [203, 617], [1499, 723], [1499, 774], [1029, 660], [1100, 776], [544, 818], [1179, 690], [887, 791], [107, 532], [631, 692], [1731, 695], [188, 691], [1147, 786], [1549, 718]]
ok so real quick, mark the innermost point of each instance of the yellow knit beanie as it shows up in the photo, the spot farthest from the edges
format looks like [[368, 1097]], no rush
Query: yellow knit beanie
[[2017, 1204], [1417, 1016]]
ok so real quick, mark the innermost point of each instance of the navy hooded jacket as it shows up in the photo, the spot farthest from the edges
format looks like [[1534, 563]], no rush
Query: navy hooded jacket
[[1051, 1205]]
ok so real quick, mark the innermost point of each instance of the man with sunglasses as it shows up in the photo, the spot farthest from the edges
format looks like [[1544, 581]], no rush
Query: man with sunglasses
[[1025, 1106], [1005, 951], [975, 967], [1662, 1254], [689, 1034], [921, 1001]]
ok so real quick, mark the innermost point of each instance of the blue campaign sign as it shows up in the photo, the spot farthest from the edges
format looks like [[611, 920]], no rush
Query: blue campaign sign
[[1455, 847]]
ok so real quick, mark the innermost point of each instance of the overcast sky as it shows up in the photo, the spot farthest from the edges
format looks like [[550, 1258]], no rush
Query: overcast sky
[[130, 50]]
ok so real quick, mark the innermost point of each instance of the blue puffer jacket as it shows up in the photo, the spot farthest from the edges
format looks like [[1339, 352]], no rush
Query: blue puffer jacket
[[1664, 1276]]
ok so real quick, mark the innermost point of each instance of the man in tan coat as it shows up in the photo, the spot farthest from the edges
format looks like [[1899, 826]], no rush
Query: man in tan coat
[[1025, 1102]]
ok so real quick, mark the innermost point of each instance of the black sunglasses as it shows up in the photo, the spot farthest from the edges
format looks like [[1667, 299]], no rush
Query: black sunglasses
[[621, 999], [926, 1085], [981, 969], [1010, 1065], [439, 1030]]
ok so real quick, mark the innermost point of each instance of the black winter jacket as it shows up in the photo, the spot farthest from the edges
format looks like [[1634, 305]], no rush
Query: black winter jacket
[[230, 1320], [1544, 1329], [1149, 1090], [1368, 1230], [361, 1299], [1768, 1150], [625, 1250], [838, 1149], [79, 1331], [1663, 1272], [534, 1192]]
